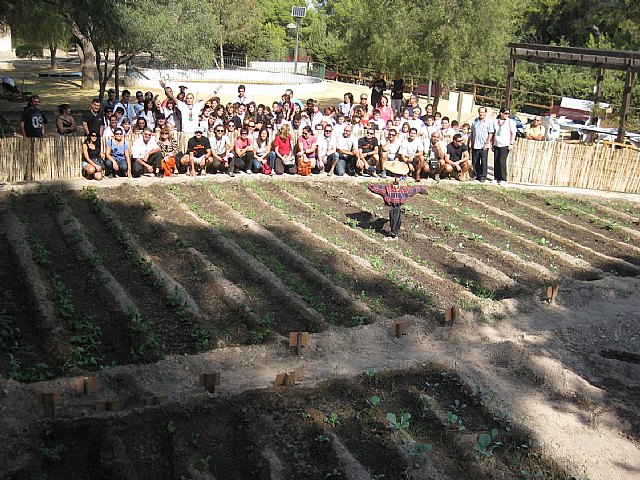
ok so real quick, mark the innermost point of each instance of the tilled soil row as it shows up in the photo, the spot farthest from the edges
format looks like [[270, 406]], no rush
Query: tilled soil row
[[97, 336], [187, 284], [421, 423], [152, 326], [509, 201], [571, 242], [344, 269], [627, 212], [444, 262], [584, 214], [426, 237], [503, 233], [390, 260], [288, 311], [335, 302], [31, 332]]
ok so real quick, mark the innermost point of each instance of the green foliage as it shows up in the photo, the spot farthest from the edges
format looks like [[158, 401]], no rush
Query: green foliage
[[487, 443], [401, 423], [29, 51], [261, 332], [454, 422], [202, 336], [332, 419]]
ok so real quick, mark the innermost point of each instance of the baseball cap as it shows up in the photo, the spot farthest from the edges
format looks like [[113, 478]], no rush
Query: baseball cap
[[111, 90], [198, 129]]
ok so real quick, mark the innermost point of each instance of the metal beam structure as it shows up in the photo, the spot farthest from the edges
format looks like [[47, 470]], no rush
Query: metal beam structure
[[625, 61]]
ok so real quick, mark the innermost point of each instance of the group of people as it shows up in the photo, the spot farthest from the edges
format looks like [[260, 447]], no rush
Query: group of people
[[179, 134]]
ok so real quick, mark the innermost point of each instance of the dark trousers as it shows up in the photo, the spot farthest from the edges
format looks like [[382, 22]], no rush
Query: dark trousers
[[155, 160], [395, 220], [244, 162], [122, 170], [479, 162], [281, 168], [500, 155]]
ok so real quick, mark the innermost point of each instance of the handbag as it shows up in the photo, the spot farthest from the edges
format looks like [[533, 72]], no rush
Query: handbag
[[266, 168]]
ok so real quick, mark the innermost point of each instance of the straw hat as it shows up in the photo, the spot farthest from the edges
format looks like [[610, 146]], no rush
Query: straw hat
[[397, 167]]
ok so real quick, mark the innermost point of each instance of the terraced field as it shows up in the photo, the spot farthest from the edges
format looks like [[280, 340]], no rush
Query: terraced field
[[146, 288]]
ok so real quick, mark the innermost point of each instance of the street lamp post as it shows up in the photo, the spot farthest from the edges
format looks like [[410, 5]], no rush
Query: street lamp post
[[298, 13]]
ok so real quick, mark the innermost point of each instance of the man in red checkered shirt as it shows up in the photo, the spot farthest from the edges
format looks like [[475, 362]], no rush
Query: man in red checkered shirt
[[395, 195]]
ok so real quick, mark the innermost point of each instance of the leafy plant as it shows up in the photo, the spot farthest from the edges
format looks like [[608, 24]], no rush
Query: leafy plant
[[374, 401], [52, 454], [262, 330], [503, 420], [38, 250], [420, 449], [171, 428], [321, 439], [454, 422], [202, 336], [486, 443], [206, 463], [399, 424], [174, 298], [332, 419], [457, 406]]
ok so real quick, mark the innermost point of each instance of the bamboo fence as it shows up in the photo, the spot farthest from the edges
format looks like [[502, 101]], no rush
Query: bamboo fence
[[598, 166]]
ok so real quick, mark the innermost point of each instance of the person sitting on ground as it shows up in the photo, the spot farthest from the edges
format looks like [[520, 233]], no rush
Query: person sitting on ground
[[244, 152], [535, 130], [307, 152], [264, 160], [326, 149], [389, 149], [221, 151], [395, 195], [283, 148], [198, 153], [435, 156], [118, 155], [346, 153], [169, 151], [65, 123], [457, 160], [93, 166], [146, 155], [412, 153], [368, 157]]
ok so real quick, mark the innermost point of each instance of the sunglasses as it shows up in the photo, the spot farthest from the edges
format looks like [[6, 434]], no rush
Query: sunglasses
[[219, 131]]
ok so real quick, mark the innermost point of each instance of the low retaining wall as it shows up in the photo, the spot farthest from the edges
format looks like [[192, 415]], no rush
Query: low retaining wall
[[597, 167]]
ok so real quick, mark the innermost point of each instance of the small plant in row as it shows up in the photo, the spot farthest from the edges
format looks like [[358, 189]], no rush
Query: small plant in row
[[262, 330]]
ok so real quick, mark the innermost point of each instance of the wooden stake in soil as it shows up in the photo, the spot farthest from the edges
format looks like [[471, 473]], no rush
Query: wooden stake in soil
[[286, 379], [209, 381], [49, 400], [107, 406], [86, 385], [451, 314], [552, 293], [158, 400], [399, 329], [298, 340]]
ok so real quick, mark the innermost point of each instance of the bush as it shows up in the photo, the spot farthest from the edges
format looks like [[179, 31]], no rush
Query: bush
[[29, 50]]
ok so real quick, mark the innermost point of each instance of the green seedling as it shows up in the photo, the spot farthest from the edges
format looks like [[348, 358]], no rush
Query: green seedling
[[202, 337], [206, 463], [262, 330], [532, 475], [503, 420], [304, 414], [399, 424], [357, 320], [421, 449], [454, 422], [39, 252], [486, 443], [171, 428], [371, 373], [321, 439], [457, 406], [374, 401], [332, 419], [52, 454], [334, 473], [174, 298]]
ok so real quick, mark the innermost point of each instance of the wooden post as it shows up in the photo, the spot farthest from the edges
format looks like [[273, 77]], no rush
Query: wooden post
[[624, 108], [511, 72], [298, 340], [49, 400], [552, 293], [398, 329], [209, 381], [597, 95], [452, 314]]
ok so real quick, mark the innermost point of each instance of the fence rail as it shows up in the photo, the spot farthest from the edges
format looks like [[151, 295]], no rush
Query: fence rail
[[599, 166]]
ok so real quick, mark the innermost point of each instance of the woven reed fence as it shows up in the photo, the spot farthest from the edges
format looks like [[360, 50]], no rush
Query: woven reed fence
[[598, 166]]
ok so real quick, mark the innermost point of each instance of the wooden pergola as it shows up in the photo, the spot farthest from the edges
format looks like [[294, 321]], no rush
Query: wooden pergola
[[601, 60]]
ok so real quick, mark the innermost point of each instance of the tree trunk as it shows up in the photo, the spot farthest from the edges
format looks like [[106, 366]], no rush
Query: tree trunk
[[436, 98], [87, 58], [53, 50], [221, 56]]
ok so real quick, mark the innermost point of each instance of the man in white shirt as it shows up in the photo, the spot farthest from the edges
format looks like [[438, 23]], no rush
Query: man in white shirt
[[125, 104], [326, 147], [416, 122], [346, 150], [412, 153], [504, 137], [190, 109], [145, 155]]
